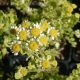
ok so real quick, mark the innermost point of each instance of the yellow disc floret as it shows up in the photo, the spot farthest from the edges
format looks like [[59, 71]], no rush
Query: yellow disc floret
[[44, 25], [33, 45], [43, 40], [53, 32], [23, 71], [35, 32], [46, 64], [25, 24], [23, 35], [16, 47]]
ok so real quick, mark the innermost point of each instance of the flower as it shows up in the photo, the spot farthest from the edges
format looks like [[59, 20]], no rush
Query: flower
[[16, 47], [44, 25], [23, 35], [74, 6], [25, 24], [13, 31], [45, 64], [18, 75], [35, 31], [21, 73], [53, 32], [33, 45], [43, 40], [54, 63]]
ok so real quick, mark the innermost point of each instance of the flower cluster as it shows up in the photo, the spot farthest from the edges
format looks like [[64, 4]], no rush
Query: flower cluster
[[35, 35], [32, 36]]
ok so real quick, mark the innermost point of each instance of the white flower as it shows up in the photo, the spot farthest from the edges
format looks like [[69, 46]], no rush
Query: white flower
[[53, 32], [43, 40]]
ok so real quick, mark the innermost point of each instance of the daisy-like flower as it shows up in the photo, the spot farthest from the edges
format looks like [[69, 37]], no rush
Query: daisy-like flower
[[23, 35], [14, 30], [35, 32], [21, 73], [16, 47], [53, 32], [45, 64], [25, 24], [33, 45], [44, 25], [43, 40]]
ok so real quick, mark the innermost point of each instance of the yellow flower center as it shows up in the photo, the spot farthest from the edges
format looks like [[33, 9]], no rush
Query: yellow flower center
[[45, 64], [23, 71], [53, 32], [25, 24], [33, 45], [35, 32], [23, 35], [43, 40], [44, 25], [16, 47]]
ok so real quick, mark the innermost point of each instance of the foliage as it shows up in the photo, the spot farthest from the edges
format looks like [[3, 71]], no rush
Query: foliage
[[38, 36]]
